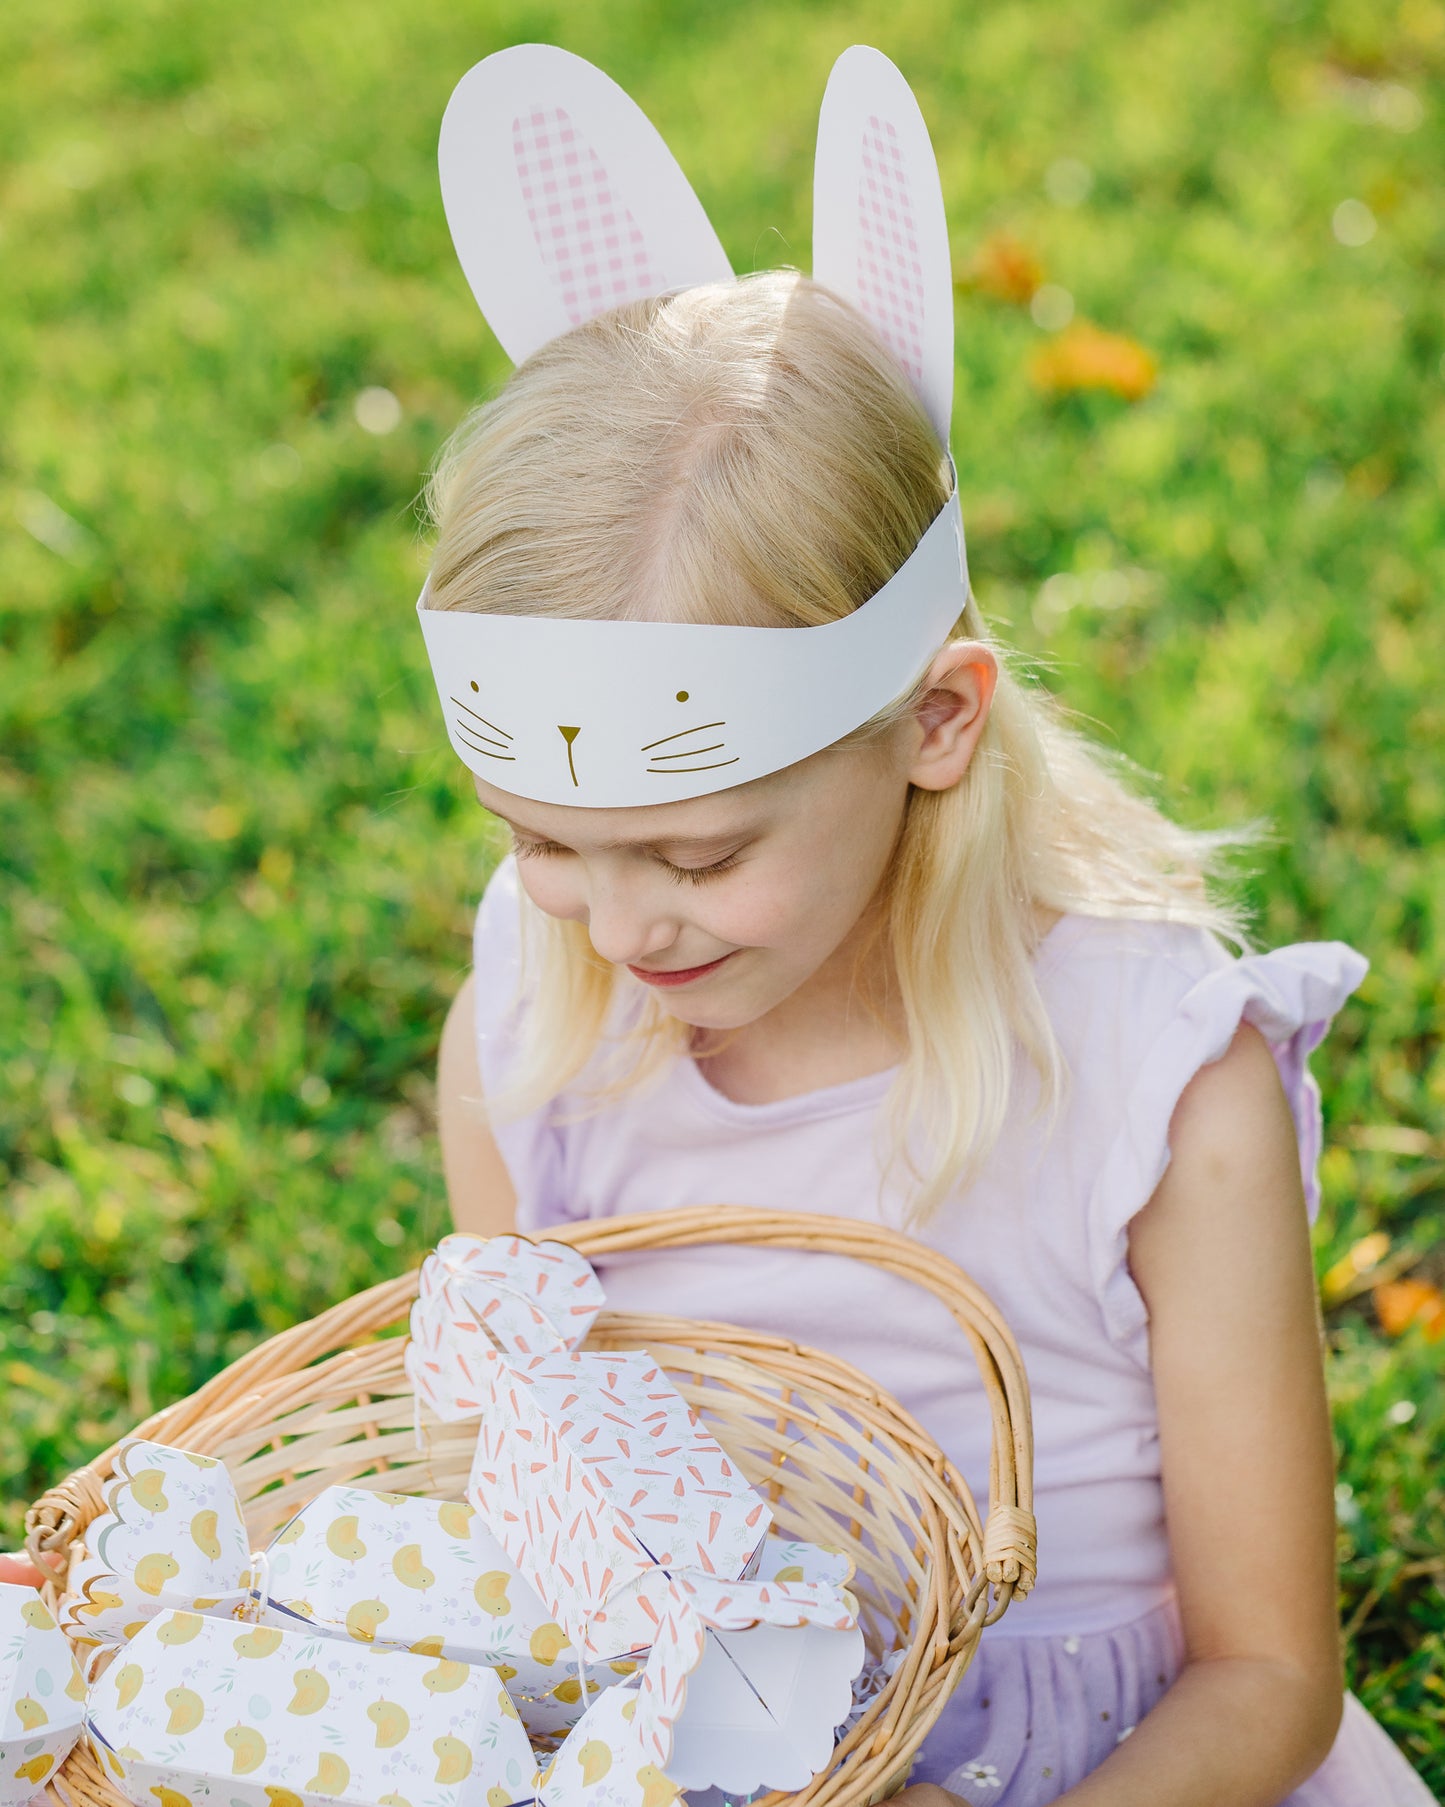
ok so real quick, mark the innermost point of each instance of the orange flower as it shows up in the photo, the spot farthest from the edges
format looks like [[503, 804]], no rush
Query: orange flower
[[1401, 1303], [1084, 356], [1003, 269]]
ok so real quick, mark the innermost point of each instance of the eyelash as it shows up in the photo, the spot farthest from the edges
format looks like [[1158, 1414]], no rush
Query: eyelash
[[699, 875], [680, 875]]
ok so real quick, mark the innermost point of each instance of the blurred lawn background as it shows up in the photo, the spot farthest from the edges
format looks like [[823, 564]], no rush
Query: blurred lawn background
[[1201, 431]]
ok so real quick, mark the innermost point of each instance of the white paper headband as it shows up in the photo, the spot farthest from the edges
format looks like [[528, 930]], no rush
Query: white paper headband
[[563, 202]]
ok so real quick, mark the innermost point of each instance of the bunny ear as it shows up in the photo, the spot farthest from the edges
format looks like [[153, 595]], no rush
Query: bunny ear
[[880, 235], [562, 199]]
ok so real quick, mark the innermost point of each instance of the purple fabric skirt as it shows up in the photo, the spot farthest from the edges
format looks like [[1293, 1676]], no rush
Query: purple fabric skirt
[[1034, 1715]]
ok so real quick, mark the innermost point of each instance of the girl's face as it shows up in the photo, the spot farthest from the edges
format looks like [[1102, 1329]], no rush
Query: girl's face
[[723, 905]]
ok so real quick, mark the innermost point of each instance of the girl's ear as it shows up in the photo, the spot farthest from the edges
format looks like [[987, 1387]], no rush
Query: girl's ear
[[951, 713], [562, 199], [880, 235]]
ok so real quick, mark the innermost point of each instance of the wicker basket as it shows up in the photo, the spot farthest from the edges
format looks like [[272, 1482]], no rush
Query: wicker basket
[[840, 1461]]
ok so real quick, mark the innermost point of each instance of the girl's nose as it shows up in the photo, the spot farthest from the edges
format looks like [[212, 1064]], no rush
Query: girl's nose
[[624, 928]]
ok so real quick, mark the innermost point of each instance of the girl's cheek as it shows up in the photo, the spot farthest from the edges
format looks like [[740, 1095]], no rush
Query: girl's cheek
[[553, 891], [762, 914]]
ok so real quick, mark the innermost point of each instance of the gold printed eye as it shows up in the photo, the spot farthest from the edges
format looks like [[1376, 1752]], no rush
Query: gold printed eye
[[475, 684], [682, 696]]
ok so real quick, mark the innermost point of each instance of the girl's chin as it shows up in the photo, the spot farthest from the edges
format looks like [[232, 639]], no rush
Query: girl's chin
[[697, 1016]]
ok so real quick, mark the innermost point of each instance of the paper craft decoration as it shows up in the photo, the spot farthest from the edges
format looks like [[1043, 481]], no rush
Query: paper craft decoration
[[598, 1480], [590, 1470], [742, 1690], [563, 202], [259, 1717], [42, 1695], [363, 1566], [171, 1536], [477, 1294], [402, 1573]]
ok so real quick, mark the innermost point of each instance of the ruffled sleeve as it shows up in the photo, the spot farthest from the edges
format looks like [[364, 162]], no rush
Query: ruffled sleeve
[[1290, 995], [530, 1145]]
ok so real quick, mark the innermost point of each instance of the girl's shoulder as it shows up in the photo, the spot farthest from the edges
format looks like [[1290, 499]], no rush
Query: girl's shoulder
[[1129, 984], [1139, 1007]]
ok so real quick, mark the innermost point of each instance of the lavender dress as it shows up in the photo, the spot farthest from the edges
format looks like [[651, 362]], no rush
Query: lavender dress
[[1138, 1008]]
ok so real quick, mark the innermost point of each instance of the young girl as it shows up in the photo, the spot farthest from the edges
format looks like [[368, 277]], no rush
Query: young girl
[[942, 969]]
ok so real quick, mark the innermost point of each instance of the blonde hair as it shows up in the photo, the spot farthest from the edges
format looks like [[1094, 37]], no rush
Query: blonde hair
[[750, 453]]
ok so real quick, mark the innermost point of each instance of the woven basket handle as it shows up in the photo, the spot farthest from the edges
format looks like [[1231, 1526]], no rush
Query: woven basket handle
[[1010, 1533]]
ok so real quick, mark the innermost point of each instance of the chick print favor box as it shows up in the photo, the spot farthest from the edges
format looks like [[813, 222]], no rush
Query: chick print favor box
[[404, 1573], [42, 1695], [171, 1536], [194, 1709]]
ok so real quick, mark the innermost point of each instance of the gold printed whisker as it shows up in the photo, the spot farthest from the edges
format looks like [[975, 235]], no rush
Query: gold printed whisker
[[692, 752], [476, 747], [483, 720], [667, 771], [701, 729]]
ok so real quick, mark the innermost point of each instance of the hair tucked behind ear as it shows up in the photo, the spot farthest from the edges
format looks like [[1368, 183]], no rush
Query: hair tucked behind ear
[[749, 453]]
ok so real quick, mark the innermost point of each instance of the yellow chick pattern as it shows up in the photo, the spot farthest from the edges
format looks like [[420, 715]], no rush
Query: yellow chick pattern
[[152, 1572], [454, 1759], [342, 1541], [203, 1534], [127, 1683], [547, 1643], [248, 1749], [658, 1790], [180, 1628], [392, 1722], [312, 1692], [410, 1570], [596, 1759], [148, 1489], [187, 1710], [455, 1518], [364, 1618], [570, 1691], [490, 1593], [332, 1775]]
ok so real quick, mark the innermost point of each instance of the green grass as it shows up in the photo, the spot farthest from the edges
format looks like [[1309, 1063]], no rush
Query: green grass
[[236, 858]]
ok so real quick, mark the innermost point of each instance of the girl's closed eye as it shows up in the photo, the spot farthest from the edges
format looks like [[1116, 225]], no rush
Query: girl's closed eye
[[526, 850], [698, 875], [682, 875]]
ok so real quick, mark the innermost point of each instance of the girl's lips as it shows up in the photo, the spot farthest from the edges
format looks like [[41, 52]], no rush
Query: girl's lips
[[682, 975]]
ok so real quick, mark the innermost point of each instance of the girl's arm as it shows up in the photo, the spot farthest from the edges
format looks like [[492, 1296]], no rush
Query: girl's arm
[[1221, 1255], [478, 1185]]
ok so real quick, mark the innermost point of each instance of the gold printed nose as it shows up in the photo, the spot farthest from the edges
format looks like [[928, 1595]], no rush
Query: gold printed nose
[[569, 735]]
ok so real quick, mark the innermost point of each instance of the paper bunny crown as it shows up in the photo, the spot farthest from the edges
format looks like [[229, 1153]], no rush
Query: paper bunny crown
[[563, 203]]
